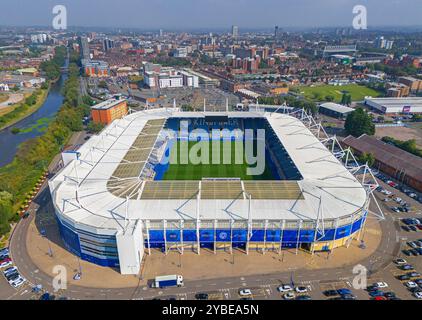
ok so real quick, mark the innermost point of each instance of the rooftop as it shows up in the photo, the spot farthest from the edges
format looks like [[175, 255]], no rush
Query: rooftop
[[92, 190], [388, 154], [110, 103], [336, 107]]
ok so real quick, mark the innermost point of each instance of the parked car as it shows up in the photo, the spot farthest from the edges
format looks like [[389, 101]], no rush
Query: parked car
[[245, 292], [285, 288], [381, 285], [418, 295], [343, 291], [201, 296], [330, 293], [400, 261], [301, 289], [18, 282], [403, 277], [414, 274], [406, 267], [289, 295], [376, 293], [303, 297], [411, 284], [6, 263]]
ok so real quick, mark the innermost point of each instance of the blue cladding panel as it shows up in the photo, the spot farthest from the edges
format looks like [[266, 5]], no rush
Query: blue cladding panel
[[343, 231], [329, 235], [206, 235], [189, 235], [172, 235], [357, 225], [71, 241], [258, 235], [290, 236], [156, 236], [223, 235], [102, 262], [273, 235], [307, 236], [154, 244], [70, 238], [239, 235]]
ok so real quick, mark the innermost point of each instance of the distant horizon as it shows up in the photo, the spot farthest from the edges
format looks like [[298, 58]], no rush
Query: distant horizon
[[213, 14], [270, 29]]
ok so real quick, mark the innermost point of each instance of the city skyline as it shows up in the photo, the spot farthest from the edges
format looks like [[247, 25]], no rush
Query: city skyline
[[212, 14]]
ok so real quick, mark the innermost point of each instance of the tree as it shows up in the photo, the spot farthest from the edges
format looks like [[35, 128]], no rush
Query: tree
[[359, 122], [329, 98], [95, 127], [6, 211], [346, 99], [368, 158]]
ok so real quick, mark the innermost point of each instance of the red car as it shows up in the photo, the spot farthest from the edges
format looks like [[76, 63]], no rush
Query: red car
[[5, 260], [392, 184], [419, 226], [379, 298]]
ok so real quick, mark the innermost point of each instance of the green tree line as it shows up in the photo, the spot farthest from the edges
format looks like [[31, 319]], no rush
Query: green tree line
[[18, 178], [406, 145], [52, 66]]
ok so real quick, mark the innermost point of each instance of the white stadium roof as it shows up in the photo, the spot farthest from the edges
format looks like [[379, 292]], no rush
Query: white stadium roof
[[81, 195]]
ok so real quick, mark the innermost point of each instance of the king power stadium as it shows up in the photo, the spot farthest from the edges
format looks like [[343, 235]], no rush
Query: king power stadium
[[116, 201]]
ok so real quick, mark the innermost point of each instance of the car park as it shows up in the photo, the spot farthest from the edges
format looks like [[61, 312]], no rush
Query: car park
[[303, 297], [413, 228], [406, 228], [348, 297]]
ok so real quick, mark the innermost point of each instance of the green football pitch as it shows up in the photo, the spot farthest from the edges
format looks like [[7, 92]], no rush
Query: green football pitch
[[194, 171]]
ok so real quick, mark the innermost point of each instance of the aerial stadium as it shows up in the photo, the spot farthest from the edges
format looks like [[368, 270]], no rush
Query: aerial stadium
[[117, 200]]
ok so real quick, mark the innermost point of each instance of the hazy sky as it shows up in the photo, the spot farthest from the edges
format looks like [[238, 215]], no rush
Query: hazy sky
[[191, 14]]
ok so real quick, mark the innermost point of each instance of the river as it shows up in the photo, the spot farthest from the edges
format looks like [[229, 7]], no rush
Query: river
[[33, 125]]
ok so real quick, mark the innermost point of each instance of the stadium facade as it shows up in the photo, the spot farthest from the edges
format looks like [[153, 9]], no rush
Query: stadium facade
[[112, 205]]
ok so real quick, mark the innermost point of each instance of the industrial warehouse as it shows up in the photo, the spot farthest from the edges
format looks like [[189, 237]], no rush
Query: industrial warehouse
[[116, 201]]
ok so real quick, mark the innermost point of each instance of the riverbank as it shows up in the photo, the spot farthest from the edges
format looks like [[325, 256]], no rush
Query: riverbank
[[40, 101]]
